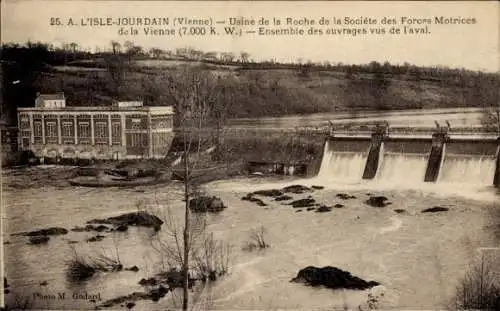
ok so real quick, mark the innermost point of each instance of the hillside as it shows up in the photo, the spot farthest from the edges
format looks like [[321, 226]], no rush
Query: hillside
[[272, 92], [247, 90]]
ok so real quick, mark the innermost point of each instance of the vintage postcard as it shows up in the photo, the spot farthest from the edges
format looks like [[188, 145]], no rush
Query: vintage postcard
[[244, 155]]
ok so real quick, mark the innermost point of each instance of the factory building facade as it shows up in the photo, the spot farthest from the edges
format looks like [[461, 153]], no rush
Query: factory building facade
[[123, 130]]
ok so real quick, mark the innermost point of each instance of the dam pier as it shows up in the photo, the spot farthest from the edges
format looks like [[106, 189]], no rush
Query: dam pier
[[439, 157]]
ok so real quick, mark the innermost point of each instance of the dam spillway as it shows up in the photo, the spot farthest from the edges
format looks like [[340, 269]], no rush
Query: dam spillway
[[344, 161], [470, 161], [406, 158]]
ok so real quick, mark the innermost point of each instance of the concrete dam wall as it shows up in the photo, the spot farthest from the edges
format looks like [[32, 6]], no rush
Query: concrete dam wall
[[439, 158]]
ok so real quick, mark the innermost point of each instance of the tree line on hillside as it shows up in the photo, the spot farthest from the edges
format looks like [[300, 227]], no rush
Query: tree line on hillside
[[251, 91]]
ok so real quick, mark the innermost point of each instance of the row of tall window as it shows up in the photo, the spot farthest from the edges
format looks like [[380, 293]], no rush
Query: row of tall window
[[83, 131], [65, 126]]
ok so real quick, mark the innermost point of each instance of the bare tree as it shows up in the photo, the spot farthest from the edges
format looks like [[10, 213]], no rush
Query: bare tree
[[193, 93], [74, 47], [130, 49], [244, 57], [116, 46], [156, 52]]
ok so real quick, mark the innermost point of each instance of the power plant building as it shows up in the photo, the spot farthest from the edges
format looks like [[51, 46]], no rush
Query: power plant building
[[123, 130]]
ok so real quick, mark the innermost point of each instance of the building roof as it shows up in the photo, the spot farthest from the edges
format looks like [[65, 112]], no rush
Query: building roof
[[56, 96], [152, 109]]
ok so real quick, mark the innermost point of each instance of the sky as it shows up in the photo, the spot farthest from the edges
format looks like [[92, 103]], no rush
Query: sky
[[470, 46]]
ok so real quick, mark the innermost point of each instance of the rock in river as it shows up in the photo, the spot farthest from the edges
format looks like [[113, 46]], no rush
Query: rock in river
[[269, 193], [307, 202], [204, 204], [323, 209], [131, 219], [45, 232], [331, 277], [39, 239], [283, 198], [345, 196], [435, 209], [297, 189], [377, 201]]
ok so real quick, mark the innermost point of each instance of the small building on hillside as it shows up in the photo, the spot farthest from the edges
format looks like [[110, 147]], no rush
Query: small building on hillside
[[123, 130]]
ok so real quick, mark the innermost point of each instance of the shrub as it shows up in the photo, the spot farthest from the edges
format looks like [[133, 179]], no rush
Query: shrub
[[479, 289], [257, 240], [211, 259], [81, 268]]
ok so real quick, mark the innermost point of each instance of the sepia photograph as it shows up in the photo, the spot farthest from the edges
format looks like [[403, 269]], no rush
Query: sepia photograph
[[250, 155]]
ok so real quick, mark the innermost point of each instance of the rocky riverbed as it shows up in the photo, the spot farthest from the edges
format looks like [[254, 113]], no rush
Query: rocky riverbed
[[419, 238]]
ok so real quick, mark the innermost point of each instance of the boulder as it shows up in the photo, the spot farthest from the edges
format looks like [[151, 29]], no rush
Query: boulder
[[204, 204], [101, 228], [148, 282], [247, 197], [338, 205], [307, 202], [133, 268], [250, 197], [122, 228], [42, 239], [317, 187], [400, 211], [283, 198], [297, 211], [435, 209], [378, 201], [173, 278], [158, 293], [323, 209], [332, 277], [260, 203], [345, 196], [45, 232], [269, 193], [96, 238], [297, 189], [141, 218]]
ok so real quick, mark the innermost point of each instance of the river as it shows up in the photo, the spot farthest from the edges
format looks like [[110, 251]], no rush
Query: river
[[458, 117], [258, 281]]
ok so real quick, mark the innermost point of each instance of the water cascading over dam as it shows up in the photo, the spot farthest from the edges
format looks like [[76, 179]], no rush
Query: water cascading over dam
[[344, 160], [412, 159], [471, 162], [403, 161]]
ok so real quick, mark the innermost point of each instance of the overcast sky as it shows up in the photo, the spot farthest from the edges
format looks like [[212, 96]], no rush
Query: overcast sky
[[471, 46]]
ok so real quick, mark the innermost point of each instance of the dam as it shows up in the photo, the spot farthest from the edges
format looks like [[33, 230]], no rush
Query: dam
[[435, 157]]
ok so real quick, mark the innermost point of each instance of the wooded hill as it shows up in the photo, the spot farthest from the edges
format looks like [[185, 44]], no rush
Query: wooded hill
[[248, 89]]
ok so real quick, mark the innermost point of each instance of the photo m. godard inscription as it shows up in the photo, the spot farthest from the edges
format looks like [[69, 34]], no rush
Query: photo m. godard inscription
[[90, 297]]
